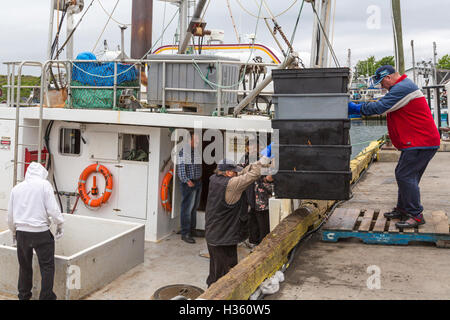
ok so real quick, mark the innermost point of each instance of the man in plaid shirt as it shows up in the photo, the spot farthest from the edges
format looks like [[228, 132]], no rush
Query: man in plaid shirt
[[189, 171]]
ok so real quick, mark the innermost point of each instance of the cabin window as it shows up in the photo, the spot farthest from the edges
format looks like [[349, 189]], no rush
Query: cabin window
[[135, 147], [69, 141]]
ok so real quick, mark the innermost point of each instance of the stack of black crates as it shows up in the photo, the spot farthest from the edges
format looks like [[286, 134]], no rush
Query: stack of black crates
[[314, 142]]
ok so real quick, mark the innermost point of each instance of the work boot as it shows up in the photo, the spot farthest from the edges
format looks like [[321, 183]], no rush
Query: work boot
[[412, 222], [188, 239], [396, 213]]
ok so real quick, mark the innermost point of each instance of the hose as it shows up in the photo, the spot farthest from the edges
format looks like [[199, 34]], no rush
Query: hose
[[47, 145]]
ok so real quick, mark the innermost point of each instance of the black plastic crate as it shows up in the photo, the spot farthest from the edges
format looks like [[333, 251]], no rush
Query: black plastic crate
[[314, 158], [314, 132], [311, 80], [318, 185]]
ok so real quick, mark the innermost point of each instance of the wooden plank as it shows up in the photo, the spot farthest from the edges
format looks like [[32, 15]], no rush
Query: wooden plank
[[349, 220], [392, 227], [409, 230], [336, 219], [440, 220], [380, 223], [367, 220], [428, 227]]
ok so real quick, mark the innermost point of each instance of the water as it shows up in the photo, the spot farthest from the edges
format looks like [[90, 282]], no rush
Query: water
[[362, 132]]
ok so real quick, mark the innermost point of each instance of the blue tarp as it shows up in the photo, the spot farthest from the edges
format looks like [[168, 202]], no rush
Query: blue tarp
[[93, 73]]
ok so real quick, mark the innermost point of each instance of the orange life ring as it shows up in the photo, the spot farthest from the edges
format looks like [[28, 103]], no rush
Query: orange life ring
[[82, 185], [165, 196]]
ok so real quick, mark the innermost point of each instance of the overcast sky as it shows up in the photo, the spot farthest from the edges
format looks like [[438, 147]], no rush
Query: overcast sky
[[24, 26]]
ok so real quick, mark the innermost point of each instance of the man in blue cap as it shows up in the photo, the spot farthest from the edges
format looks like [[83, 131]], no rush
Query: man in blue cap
[[224, 206], [412, 131]]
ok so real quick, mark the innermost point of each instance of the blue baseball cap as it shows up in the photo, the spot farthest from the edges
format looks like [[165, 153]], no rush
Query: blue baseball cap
[[382, 72], [228, 165]]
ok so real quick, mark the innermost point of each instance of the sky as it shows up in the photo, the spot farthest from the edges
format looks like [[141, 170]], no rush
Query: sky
[[364, 26]]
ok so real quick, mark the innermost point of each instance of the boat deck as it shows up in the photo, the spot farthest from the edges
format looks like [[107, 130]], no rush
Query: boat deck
[[419, 270], [168, 262]]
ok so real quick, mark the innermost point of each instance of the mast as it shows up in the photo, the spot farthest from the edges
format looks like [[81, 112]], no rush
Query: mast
[[398, 36], [141, 28], [319, 46]]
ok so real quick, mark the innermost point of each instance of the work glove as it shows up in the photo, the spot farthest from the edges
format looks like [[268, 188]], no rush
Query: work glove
[[265, 160], [267, 152], [354, 108], [59, 231]]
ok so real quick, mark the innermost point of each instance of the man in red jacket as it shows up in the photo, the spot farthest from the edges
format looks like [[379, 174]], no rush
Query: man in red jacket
[[412, 131]]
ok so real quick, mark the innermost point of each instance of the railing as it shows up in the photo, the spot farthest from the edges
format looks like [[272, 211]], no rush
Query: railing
[[14, 88]]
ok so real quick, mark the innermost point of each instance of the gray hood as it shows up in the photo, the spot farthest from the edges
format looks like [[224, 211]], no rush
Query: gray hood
[[36, 171]]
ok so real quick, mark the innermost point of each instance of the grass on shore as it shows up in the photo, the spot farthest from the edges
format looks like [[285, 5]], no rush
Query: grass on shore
[[24, 93]]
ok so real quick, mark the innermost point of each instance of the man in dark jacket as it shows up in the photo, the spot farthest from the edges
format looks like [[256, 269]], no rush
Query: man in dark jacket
[[223, 208], [412, 131]]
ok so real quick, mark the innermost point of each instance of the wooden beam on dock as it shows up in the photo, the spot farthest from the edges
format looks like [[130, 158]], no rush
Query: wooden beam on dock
[[269, 256]]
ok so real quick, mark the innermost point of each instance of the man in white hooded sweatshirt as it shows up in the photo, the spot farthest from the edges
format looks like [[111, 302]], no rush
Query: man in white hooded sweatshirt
[[31, 205]]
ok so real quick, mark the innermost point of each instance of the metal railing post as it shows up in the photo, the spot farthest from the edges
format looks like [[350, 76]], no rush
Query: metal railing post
[[41, 108], [219, 89], [16, 129], [115, 85], [69, 83], [163, 85], [8, 83]]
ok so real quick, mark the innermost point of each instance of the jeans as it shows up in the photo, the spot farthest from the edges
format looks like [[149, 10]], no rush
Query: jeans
[[409, 171], [253, 228], [263, 221], [190, 199], [221, 260], [44, 245]]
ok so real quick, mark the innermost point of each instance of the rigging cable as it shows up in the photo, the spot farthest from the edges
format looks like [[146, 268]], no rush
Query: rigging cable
[[234, 23], [110, 15], [296, 22], [106, 24], [259, 17]]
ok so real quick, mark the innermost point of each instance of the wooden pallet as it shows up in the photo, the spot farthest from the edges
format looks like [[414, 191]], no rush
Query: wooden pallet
[[371, 226]]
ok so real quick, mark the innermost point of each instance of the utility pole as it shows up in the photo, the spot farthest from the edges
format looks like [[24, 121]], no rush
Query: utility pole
[[435, 64], [349, 58], [413, 62], [398, 36]]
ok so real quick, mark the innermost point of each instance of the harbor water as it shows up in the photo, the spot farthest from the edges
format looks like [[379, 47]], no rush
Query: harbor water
[[362, 132]]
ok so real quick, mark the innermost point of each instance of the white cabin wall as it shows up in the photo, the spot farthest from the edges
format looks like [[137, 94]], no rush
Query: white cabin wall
[[6, 164], [69, 167], [26, 136], [166, 225]]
